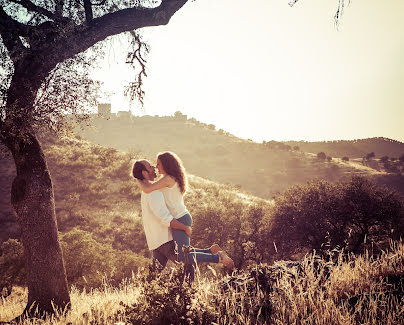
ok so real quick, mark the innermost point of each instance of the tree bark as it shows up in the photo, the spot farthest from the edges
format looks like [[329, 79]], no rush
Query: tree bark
[[32, 197], [33, 200]]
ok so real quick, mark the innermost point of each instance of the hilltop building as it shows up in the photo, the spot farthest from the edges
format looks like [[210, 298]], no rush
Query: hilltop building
[[124, 114]]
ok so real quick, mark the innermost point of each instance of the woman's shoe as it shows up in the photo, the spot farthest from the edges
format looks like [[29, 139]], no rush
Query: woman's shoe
[[215, 248], [226, 260]]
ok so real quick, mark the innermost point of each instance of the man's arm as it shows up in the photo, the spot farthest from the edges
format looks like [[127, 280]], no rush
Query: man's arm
[[159, 208], [178, 225]]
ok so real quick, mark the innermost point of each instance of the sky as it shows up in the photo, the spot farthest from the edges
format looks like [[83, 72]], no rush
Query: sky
[[263, 70]]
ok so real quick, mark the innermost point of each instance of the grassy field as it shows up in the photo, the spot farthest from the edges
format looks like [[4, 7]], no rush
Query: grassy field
[[343, 290]]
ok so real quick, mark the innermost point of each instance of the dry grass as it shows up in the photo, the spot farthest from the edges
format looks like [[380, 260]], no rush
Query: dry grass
[[97, 306], [351, 290], [356, 292]]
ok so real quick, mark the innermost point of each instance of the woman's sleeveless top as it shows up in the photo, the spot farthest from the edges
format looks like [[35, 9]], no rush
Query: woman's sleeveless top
[[174, 201]]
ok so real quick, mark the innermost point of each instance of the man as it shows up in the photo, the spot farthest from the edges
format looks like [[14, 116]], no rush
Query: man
[[157, 220]]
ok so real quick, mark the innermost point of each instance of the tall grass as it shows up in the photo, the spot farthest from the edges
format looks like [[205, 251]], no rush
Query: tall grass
[[345, 289]]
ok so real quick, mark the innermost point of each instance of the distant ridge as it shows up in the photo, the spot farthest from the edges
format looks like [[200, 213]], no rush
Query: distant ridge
[[357, 148]]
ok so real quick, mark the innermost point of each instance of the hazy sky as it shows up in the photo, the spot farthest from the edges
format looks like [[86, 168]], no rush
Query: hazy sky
[[263, 70]]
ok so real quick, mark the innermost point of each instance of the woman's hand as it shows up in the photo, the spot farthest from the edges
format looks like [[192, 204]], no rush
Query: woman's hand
[[142, 184], [188, 231]]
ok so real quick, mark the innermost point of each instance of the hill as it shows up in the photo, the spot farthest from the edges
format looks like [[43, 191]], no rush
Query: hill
[[353, 148], [262, 169], [96, 195]]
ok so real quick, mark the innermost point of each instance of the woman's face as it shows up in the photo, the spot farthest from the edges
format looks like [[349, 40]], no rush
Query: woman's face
[[160, 167]]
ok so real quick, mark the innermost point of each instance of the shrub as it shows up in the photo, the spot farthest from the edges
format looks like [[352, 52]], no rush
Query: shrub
[[384, 159], [12, 263], [322, 216], [167, 299], [329, 158], [321, 156], [370, 155], [88, 262], [345, 158]]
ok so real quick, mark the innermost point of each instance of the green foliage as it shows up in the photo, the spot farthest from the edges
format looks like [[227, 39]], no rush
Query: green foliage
[[322, 216], [12, 263], [88, 262], [236, 227]]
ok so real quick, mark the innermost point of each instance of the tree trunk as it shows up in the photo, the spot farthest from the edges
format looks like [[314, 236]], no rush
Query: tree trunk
[[33, 200]]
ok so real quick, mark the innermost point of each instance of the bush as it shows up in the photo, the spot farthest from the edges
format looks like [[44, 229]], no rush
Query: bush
[[88, 262], [12, 264], [370, 155], [167, 299], [345, 158], [322, 216], [384, 159], [321, 156]]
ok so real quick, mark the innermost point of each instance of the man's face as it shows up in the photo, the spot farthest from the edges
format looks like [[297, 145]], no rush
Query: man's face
[[150, 173]]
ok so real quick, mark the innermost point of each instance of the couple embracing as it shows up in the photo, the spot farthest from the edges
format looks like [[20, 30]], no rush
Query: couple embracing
[[166, 220]]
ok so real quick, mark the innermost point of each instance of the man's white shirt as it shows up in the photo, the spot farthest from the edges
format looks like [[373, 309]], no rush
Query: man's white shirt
[[156, 219]]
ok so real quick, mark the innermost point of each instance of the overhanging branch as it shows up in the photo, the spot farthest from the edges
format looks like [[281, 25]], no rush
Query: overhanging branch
[[10, 30], [126, 20], [135, 90], [88, 11]]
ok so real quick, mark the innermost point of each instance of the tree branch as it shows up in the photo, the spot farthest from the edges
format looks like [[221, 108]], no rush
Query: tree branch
[[10, 30], [82, 37], [134, 90], [124, 20], [59, 8], [7, 23], [88, 11]]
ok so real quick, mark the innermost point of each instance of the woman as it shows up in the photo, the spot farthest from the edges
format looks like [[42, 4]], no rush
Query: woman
[[173, 186]]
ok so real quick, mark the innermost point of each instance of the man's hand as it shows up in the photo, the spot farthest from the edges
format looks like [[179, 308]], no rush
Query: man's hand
[[188, 231], [175, 224]]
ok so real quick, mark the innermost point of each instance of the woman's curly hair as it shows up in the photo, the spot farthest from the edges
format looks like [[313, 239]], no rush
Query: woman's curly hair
[[173, 166]]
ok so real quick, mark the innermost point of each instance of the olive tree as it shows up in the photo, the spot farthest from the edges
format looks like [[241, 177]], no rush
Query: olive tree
[[41, 56]]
